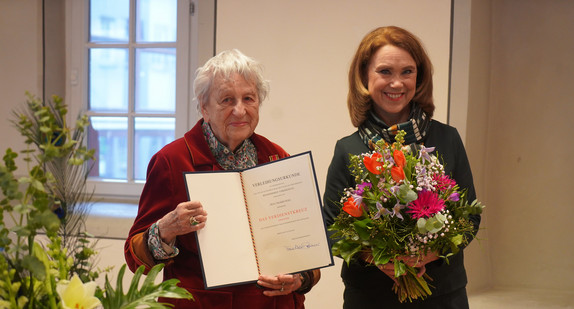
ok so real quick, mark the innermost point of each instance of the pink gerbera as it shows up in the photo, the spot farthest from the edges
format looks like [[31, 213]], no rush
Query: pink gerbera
[[443, 182], [426, 205]]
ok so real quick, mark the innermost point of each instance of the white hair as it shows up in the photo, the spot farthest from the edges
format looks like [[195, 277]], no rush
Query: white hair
[[225, 64]]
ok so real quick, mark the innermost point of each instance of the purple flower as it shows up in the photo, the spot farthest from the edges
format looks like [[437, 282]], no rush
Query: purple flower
[[361, 187], [455, 197], [397, 210], [358, 199], [424, 153], [381, 211]]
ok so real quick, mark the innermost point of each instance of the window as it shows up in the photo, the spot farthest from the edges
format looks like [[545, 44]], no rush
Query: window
[[131, 65]]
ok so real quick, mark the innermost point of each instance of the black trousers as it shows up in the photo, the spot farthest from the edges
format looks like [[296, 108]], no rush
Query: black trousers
[[355, 298]]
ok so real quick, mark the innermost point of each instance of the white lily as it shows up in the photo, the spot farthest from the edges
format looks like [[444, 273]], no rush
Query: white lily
[[76, 294]]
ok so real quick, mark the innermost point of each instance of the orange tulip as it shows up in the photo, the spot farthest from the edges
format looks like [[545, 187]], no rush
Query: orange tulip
[[373, 163], [351, 207], [399, 157], [397, 173]]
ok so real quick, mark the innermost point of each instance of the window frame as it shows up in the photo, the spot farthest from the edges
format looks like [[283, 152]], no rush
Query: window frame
[[195, 44]]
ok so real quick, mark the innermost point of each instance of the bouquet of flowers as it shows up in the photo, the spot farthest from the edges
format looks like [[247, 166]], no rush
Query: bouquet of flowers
[[403, 207]]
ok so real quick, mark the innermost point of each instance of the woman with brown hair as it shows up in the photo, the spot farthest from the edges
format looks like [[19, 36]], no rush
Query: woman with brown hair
[[390, 89]]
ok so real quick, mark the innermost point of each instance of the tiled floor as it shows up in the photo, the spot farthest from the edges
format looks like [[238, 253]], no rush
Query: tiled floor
[[521, 299]]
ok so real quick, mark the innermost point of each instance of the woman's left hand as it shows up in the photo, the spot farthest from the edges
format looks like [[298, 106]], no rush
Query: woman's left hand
[[280, 284], [420, 262]]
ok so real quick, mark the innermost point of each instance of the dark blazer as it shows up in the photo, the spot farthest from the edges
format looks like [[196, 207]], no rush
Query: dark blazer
[[163, 191], [369, 279]]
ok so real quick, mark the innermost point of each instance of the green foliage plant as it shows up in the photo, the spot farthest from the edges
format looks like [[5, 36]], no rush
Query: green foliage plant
[[54, 158], [143, 297], [43, 242]]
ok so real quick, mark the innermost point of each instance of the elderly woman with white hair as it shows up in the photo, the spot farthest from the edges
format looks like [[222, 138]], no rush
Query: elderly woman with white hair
[[229, 89]]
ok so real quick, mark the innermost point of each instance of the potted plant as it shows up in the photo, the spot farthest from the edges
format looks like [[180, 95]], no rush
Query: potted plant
[[46, 259]]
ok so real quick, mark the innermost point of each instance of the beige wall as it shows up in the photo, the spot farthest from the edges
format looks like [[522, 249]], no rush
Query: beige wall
[[518, 127], [306, 48], [467, 86], [20, 61], [518, 73], [529, 170]]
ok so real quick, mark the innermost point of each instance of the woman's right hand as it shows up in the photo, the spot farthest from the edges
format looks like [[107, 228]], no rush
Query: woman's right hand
[[187, 217], [388, 269]]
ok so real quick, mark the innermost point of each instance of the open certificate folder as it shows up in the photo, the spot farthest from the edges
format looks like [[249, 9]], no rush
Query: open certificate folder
[[265, 220]]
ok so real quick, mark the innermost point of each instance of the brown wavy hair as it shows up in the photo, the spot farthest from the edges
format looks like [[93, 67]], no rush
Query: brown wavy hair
[[359, 101]]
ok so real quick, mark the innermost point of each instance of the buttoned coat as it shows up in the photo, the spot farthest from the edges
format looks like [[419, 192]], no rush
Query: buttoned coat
[[163, 191]]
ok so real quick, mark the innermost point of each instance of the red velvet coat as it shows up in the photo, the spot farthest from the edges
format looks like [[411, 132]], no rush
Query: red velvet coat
[[163, 191]]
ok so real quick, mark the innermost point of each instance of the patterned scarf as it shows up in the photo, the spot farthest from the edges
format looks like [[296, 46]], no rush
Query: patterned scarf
[[373, 128], [245, 156]]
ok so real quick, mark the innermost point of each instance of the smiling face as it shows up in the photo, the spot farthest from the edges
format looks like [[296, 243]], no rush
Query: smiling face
[[392, 77], [232, 110]]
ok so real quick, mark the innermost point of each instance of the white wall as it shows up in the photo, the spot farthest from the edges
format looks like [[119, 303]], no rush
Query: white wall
[[306, 48]]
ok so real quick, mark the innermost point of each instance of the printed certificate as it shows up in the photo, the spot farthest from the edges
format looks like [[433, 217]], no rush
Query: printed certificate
[[265, 220]]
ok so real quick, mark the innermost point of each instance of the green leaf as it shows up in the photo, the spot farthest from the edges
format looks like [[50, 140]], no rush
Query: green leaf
[[132, 292], [150, 278], [435, 224], [363, 228], [23, 208], [38, 185], [146, 296], [457, 240], [345, 250], [45, 129], [431, 225], [406, 194], [35, 266], [21, 231], [50, 220], [380, 256], [400, 268], [421, 225]]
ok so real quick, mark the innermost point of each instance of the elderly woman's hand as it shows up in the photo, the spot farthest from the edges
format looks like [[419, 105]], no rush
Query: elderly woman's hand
[[187, 217], [280, 284]]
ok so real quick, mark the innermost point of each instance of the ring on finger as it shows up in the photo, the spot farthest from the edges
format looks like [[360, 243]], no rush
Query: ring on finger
[[282, 287], [193, 221]]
